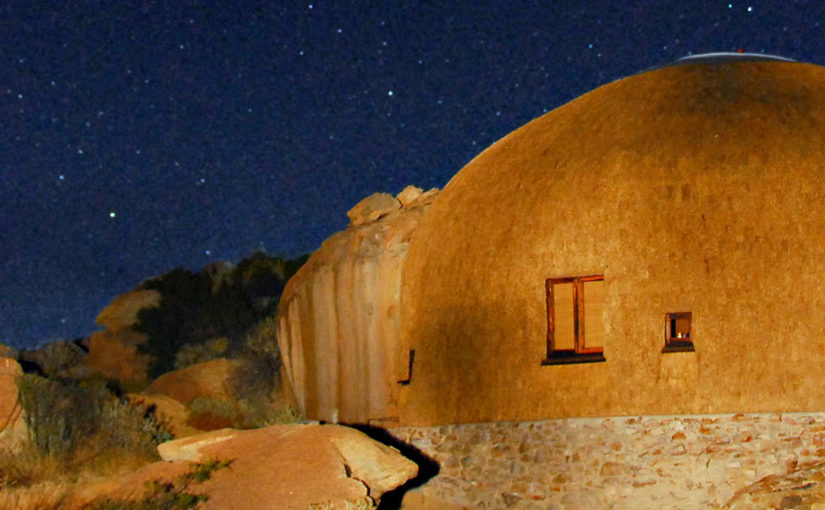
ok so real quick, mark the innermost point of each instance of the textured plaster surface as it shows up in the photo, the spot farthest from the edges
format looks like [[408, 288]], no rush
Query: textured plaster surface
[[693, 188]]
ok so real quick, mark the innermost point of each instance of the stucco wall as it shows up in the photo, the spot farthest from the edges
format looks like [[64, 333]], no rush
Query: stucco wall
[[649, 462], [696, 188]]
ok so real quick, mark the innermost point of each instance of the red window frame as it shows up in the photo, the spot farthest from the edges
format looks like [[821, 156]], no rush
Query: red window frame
[[580, 353]]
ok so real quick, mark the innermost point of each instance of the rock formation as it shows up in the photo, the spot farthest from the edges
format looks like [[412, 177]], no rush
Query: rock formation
[[293, 465], [171, 413], [61, 358], [339, 314], [113, 353], [8, 352], [13, 430], [208, 379], [122, 312], [372, 208]]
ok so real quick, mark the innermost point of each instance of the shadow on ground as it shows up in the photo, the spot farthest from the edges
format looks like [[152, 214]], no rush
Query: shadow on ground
[[427, 467]]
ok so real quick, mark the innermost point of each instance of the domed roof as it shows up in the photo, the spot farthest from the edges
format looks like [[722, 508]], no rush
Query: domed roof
[[694, 187]]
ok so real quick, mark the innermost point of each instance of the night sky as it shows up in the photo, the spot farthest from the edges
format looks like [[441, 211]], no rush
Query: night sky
[[142, 136]]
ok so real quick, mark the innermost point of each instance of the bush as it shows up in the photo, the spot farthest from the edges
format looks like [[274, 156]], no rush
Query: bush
[[210, 413], [26, 467], [259, 372], [170, 495], [74, 421], [194, 309], [191, 354]]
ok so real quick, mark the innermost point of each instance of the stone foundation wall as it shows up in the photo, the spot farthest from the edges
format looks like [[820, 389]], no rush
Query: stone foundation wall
[[622, 462]]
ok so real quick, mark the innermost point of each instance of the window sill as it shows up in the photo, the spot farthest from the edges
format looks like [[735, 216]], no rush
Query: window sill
[[679, 347], [568, 358]]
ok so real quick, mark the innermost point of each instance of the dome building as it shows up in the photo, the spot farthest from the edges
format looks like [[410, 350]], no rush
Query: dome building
[[656, 246]]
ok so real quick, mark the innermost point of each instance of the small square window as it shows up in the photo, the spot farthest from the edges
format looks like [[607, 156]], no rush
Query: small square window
[[678, 332]]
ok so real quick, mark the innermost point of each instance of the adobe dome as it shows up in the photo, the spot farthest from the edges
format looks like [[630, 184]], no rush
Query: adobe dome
[[692, 189]]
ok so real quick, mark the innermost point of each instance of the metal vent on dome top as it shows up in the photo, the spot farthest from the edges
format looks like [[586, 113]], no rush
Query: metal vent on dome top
[[726, 56]]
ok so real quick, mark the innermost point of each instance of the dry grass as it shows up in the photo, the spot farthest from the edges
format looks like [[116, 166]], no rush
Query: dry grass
[[41, 496], [79, 433], [29, 480], [211, 413], [27, 467]]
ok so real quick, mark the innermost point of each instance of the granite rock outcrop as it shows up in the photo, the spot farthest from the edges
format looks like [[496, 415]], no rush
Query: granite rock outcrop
[[295, 465], [61, 358], [210, 379], [338, 317], [13, 431], [114, 353]]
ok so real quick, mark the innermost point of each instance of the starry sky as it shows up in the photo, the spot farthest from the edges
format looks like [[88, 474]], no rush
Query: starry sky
[[142, 136]]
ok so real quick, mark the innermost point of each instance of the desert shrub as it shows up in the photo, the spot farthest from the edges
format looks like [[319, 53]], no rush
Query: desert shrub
[[74, 421], [207, 413], [260, 362], [59, 415], [26, 467], [262, 414], [210, 413], [168, 495], [42, 496], [193, 310], [191, 354], [183, 317]]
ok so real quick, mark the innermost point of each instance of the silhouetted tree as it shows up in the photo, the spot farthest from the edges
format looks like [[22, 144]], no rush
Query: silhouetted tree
[[193, 309]]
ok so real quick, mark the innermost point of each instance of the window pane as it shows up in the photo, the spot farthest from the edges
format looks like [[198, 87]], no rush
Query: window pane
[[682, 329], [563, 311], [593, 315]]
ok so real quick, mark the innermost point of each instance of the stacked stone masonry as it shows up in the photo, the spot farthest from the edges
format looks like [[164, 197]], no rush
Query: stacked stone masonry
[[688, 462]]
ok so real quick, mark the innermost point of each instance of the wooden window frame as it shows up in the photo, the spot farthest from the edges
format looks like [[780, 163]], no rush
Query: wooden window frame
[[673, 344], [579, 354]]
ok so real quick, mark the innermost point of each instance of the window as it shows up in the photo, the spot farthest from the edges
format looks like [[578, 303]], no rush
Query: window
[[575, 328], [678, 335]]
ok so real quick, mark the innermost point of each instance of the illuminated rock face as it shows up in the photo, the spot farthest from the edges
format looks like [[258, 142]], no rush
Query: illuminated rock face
[[697, 189], [13, 430], [114, 353], [339, 315]]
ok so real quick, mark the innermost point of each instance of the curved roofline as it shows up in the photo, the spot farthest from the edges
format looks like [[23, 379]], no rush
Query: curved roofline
[[729, 56], [721, 57]]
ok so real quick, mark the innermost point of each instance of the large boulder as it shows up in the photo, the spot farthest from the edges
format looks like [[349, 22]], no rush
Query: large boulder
[[171, 413], [13, 430], [293, 465], [372, 208], [205, 389], [339, 315], [7, 352], [210, 379], [122, 313], [61, 358], [117, 355]]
